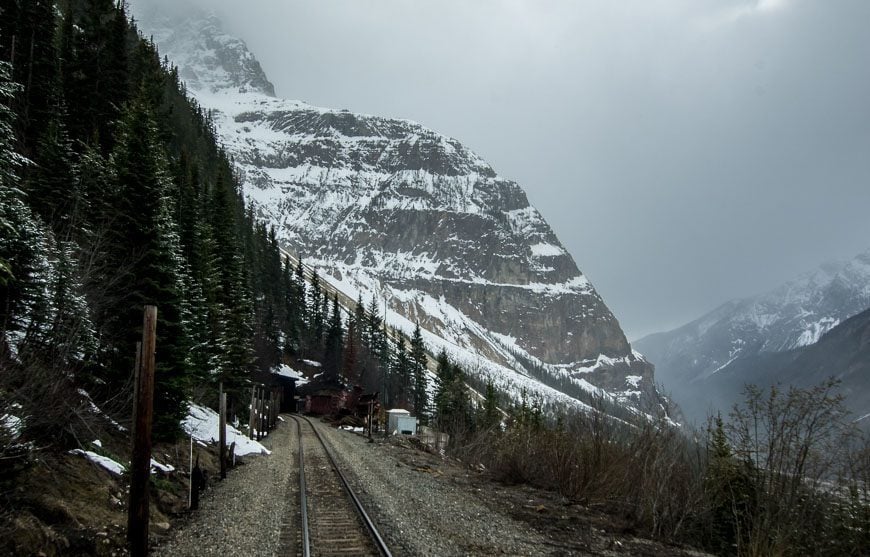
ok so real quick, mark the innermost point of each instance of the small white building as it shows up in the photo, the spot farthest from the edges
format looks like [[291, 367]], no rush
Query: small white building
[[401, 421]]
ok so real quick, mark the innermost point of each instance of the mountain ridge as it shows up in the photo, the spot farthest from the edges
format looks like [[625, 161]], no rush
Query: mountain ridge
[[388, 208], [786, 319]]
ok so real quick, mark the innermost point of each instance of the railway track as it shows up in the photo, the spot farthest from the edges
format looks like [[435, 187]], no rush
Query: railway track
[[333, 521]]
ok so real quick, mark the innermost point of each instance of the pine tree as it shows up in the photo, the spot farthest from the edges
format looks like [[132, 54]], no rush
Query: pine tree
[[419, 364], [23, 257], [442, 384], [728, 488], [399, 381], [54, 188], [100, 84], [453, 408], [332, 347], [349, 356], [30, 31], [145, 229], [124, 231], [316, 323], [360, 320], [297, 299], [490, 415]]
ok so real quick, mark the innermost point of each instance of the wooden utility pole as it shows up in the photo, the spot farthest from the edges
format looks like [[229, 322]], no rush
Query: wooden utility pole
[[222, 434], [143, 413]]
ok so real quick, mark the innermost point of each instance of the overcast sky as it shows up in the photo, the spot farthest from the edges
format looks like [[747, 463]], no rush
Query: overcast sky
[[686, 152]]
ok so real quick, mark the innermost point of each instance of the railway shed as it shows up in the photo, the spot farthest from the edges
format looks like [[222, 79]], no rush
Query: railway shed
[[401, 421]]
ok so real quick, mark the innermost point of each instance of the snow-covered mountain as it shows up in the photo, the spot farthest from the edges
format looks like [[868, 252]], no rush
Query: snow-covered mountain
[[794, 315], [388, 208]]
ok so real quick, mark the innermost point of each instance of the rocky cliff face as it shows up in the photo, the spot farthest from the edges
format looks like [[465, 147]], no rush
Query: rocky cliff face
[[390, 209]]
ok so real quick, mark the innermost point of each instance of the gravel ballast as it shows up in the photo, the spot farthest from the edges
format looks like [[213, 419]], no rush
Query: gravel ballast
[[246, 513], [422, 504], [420, 515]]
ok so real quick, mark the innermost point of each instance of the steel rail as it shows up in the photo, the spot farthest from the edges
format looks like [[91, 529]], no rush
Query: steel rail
[[376, 537], [306, 537]]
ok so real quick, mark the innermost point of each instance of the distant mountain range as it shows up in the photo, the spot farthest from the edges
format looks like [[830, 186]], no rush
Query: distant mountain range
[[387, 208], [802, 332]]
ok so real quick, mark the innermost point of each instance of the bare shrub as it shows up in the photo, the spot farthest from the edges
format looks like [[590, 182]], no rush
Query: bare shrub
[[649, 474], [795, 448]]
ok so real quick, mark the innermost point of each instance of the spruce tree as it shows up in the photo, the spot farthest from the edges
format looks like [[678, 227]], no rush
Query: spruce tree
[[349, 355], [399, 381], [490, 415], [316, 323], [28, 36], [418, 372], [145, 242], [332, 347], [53, 185], [100, 84], [23, 267]]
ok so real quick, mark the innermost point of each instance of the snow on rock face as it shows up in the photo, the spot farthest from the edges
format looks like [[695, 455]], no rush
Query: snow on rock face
[[389, 206]]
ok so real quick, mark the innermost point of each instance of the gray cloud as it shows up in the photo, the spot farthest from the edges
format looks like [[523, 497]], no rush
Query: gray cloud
[[685, 151]]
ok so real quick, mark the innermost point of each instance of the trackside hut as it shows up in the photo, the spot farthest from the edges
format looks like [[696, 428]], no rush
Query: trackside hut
[[401, 421]]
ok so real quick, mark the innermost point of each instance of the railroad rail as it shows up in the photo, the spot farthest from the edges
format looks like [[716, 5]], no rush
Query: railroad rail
[[333, 520]]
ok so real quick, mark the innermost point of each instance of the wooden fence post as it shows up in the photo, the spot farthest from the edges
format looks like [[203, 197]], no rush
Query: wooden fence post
[[251, 427], [260, 406], [222, 433], [143, 413]]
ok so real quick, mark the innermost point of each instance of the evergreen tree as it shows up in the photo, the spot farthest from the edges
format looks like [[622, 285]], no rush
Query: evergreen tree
[[233, 319], [442, 384], [23, 265], [351, 348], [53, 187], [143, 228], [27, 37], [332, 347], [100, 84], [399, 380], [316, 323], [729, 491], [128, 201], [419, 363], [490, 416], [299, 315]]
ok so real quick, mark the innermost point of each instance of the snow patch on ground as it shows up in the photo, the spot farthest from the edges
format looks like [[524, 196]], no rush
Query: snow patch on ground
[[203, 424], [165, 468], [112, 466], [12, 424]]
